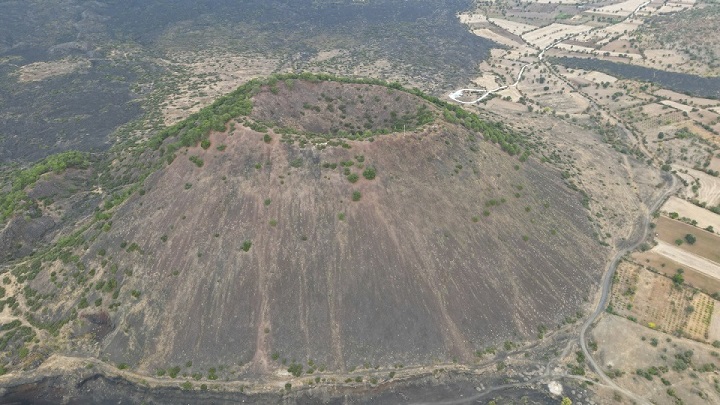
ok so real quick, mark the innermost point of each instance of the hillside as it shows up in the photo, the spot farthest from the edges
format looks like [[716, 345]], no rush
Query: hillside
[[334, 225]]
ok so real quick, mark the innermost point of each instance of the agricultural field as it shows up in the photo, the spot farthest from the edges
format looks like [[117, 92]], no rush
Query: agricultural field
[[660, 303], [680, 245], [700, 242], [663, 369]]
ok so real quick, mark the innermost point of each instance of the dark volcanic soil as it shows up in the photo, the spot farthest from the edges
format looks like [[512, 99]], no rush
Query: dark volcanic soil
[[449, 388], [262, 255], [681, 82]]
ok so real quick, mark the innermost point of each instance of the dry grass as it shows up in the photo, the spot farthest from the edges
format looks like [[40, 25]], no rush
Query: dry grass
[[44, 70], [628, 347], [654, 301], [707, 244], [211, 75], [663, 265]]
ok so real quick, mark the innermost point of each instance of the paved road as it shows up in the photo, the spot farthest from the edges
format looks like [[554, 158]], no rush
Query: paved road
[[607, 285]]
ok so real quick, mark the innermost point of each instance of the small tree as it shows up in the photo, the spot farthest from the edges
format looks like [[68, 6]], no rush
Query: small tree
[[690, 238], [678, 278], [369, 173]]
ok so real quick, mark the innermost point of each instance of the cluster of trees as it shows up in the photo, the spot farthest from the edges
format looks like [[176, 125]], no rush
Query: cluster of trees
[[238, 103], [197, 126], [21, 179]]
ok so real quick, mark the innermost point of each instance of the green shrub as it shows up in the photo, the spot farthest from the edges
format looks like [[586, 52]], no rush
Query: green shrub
[[246, 245], [174, 371], [295, 369], [369, 173], [356, 195], [297, 162], [353, 178], [205, 144], [195, 159]]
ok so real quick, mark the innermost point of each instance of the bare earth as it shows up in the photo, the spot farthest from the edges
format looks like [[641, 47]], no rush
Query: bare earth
[[687, 209], [681, 256], [44, 70]]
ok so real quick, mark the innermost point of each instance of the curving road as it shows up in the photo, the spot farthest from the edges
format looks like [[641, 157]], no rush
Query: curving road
[[607, 285]]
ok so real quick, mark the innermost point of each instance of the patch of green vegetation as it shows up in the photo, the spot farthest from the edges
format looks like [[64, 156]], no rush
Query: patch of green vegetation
[[197, 126], [197, 160], [174, 371], [369, 173], [295, 369], [508, 140], [16, 197]]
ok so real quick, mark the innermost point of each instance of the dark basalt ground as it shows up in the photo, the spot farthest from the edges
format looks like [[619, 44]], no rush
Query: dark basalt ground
[[454, 245], [449, 388], [681, 82], [81, 110]]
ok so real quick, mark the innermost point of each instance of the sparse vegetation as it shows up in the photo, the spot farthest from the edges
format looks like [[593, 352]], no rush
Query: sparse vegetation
[[197, 161]]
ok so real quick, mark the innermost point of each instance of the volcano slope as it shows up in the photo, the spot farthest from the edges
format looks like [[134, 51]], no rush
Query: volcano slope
[[342, 223]]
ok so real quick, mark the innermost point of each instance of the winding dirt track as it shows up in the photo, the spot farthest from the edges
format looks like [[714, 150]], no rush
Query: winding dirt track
[[485, 93]]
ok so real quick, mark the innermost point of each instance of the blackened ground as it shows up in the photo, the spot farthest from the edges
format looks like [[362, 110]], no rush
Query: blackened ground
[[452, 388]]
